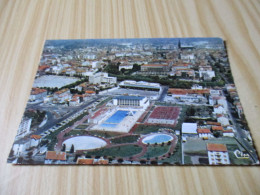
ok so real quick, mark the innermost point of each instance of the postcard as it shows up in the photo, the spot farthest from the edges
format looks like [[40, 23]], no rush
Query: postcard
[[153, 101]]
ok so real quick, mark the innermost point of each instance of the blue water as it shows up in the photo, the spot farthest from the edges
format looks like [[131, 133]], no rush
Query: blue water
[[115, 118], [108, 125], [157, 139]]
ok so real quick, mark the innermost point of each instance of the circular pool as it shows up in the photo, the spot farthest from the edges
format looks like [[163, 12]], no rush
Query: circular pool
[[84, 143], [157, 138]]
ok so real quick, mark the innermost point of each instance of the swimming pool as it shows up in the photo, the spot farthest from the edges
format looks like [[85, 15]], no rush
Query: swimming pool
[[157, 138], [116, 118]]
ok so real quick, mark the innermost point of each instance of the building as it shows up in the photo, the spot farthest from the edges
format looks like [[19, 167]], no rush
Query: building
[[132, 101], [37, 94], [102, 77], [61, 96], [217, 154], [228, 133], [125, 66], [155, 68], [223, 120], [189, 95], [204, 133], [164, 115], [219, 109], [189, 128], [207, 74], [24, 127], [142, 85], [35, 140], [92, 161], [54, 157]]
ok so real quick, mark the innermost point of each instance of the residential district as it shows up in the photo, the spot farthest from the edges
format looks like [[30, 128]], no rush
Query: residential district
[[134, 101]]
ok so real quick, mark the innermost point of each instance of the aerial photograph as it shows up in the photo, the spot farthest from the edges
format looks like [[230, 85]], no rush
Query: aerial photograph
[[151, 101]]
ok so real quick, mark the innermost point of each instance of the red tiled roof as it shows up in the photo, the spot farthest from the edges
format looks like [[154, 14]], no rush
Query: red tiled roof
[[217, 128], [61, 91], [228, 131], [36, 137], [90, 92], [88, 161], [163, 112], [203, 131], [187, 91], [216, 147], [43, 67], [213, 123], [53, 155], [102, 162], [36, 91], [155, 65]]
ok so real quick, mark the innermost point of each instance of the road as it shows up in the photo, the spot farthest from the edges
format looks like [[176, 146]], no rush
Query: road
[[52, 121], [241, 136], [164, 93]]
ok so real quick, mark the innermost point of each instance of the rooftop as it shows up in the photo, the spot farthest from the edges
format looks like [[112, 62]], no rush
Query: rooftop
[[164, 112], [216, 147], [124, 97], [53, 155]]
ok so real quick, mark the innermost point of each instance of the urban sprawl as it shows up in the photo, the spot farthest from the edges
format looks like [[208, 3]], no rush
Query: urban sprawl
[[134, 101]]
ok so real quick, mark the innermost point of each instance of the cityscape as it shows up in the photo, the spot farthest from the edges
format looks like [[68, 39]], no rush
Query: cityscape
[[156, 101]]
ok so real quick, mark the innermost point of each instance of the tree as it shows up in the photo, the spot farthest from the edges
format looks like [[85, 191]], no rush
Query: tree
[[136, 67], [72, 149], [63, 148], [216, 133], [123, 70], [120, 160]]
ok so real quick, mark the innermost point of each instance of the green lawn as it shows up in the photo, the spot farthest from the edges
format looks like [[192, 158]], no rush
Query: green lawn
[[117, 151], [75, 132], [187, 160], [236, 161], [176, 157], [146, 129], [199, 147], [125, 139], [104, 134], [155, 151], [81, 127]]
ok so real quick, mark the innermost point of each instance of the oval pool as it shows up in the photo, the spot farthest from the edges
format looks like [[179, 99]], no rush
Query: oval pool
[[84, 143], [157, 138]]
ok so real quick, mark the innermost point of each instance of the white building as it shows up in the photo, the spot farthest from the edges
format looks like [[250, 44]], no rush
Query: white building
[[125, 66], [189, 128], [38, 94], [140, 85], [102, 77], [223, 120], [61, 96], [217, 154], [219, 109], [207, 75], [135, 101], [24, 127], [204, 133]]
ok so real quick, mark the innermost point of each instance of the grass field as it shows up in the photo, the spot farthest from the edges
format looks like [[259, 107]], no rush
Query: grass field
[[175, 158], [146, 129], [199, 147], [155, 151], [125, 139], [117, 151], [75, 132], [81, 127], [104, 134]]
